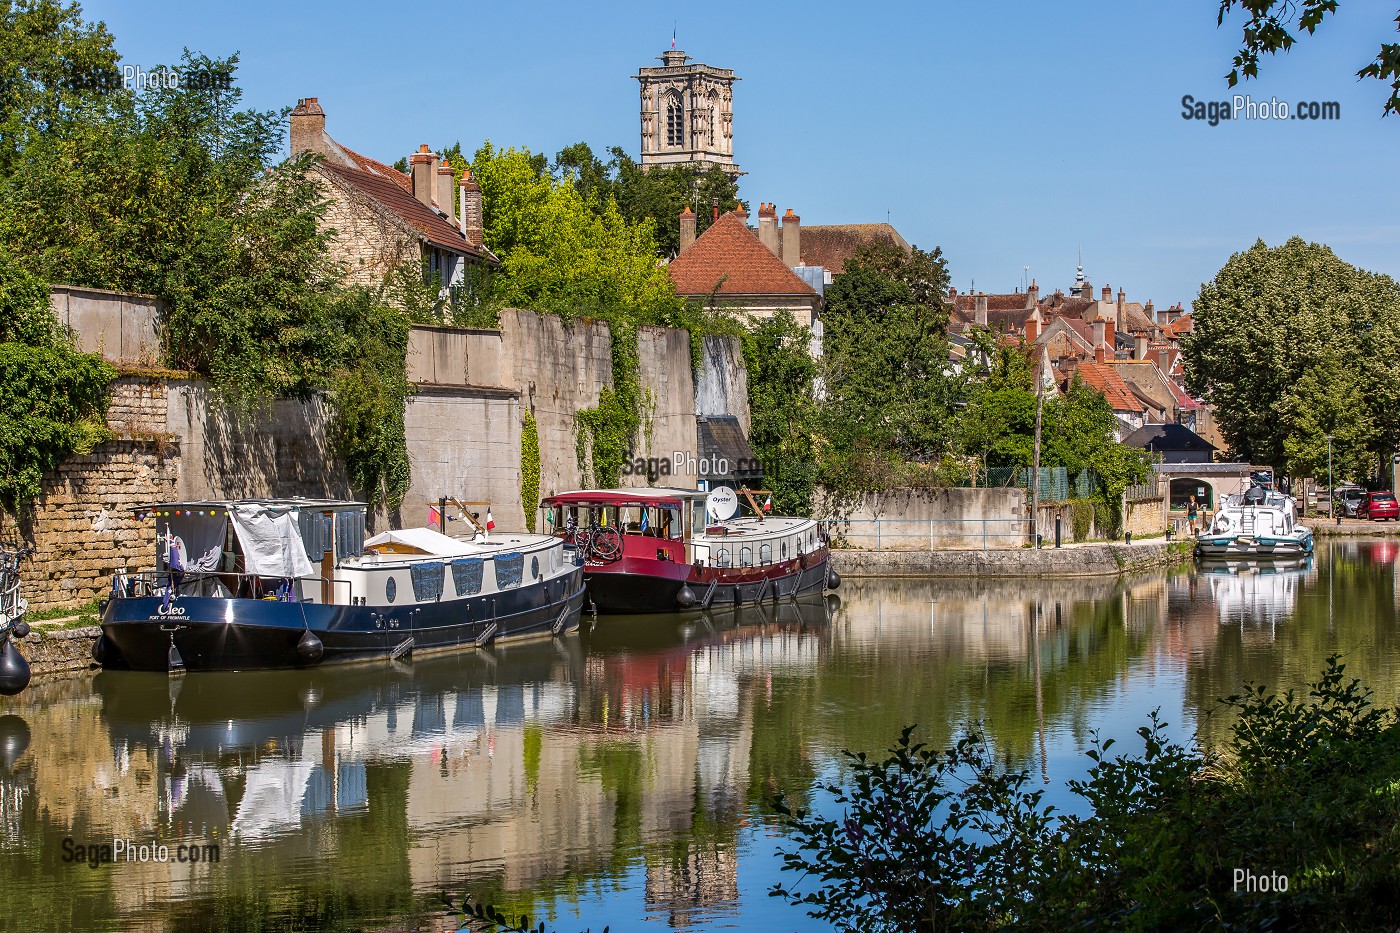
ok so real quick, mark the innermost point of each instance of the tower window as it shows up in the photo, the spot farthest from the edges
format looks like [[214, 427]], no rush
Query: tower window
[[675, 123]]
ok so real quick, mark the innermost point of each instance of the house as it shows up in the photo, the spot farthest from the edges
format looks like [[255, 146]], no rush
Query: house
[[831, 246], [382, 218], [730, 266], [1174, 442], [1127, 406]]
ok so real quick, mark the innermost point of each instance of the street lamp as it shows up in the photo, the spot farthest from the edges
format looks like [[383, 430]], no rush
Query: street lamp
[[1331, 497]]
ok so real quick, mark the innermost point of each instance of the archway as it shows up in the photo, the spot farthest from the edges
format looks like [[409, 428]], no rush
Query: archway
[[1184, 487]]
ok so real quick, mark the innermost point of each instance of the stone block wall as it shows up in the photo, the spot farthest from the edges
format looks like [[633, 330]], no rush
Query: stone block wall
[[1145, 517], [926, 519], [668, 403]]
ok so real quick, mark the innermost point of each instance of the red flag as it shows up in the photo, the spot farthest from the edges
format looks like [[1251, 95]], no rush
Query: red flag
[[768, 504], [490, 522], [434, 517]]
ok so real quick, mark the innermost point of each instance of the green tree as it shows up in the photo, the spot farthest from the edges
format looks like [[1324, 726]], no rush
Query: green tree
[[889, 391], [781, 380], [657, 194], [53, 67], [1275, 25], [1273, 316], [55, 399], [997, 420]]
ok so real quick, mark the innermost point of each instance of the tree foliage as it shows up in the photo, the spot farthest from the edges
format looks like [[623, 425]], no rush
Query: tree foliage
[[1290, 344], [657, 195], [889, 393], [54, 399], [925, 839], [783, 409], [1275, 25]]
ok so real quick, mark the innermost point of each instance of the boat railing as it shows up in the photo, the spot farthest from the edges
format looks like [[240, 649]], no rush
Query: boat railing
[[12, 606], [224, 585]]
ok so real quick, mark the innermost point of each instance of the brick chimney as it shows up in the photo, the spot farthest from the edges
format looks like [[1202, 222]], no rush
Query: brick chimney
[[421, 164], [1110, 334], [1140, 347], [1107, 294], [1101, 353], [1150, 311], [687, 227], [1032, 295], [445, 192], [792, 239], [308, 127], [743, 213], [981, 319], [1122, 315], [1032, 329], [768, 228], [470, 214]]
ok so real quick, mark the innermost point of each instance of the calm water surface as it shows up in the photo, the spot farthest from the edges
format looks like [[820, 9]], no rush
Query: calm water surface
[[620, 776]]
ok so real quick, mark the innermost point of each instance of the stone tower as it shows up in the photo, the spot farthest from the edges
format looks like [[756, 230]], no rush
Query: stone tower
[[687, 114]]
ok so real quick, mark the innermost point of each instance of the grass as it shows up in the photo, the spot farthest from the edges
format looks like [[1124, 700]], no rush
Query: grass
[[64, 618]]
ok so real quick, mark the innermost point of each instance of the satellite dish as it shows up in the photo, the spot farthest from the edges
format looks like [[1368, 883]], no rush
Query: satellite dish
[[722, 504]]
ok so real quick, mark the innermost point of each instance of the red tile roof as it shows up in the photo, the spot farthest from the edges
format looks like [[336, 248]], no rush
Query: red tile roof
[[1104, 379], [1183, 401], [1180, 327], [391, 196], [833, 245], [728, 258], [374, 166]]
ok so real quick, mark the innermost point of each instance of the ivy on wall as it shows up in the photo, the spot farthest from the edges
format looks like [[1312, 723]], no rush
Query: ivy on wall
[[607, 431], [530, 469]]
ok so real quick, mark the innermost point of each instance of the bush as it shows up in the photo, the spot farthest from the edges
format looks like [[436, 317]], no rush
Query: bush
[[1081, 513]]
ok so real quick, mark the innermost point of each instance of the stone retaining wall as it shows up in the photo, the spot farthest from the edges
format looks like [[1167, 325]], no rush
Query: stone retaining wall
[[1085, 560], [60, 651]]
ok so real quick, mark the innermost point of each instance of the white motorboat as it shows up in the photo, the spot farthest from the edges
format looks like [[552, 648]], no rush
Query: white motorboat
[[1259, 524]]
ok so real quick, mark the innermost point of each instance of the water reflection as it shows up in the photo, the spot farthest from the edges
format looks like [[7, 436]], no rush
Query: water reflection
[[620, 775]]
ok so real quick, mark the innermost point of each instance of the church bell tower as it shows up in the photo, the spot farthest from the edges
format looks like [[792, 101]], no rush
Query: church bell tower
[[687, 114]]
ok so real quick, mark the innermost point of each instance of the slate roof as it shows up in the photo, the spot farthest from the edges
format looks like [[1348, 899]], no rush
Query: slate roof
[[730, 256], [1167, 437], [390, 195], [721, 437], [1012, 302], [1104, 379], [833, 245]]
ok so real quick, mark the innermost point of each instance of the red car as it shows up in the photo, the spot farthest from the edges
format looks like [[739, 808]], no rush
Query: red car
[[1379, 506]]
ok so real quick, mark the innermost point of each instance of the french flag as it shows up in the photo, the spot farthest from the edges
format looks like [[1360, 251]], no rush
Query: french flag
[[490, 522]]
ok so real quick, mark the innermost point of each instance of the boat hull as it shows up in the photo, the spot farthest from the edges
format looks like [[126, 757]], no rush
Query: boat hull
[[218, 634], [1233, 547], [641, 585]]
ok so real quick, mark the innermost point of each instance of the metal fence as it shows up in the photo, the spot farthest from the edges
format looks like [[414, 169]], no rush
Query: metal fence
[[1056, 484], [919, 534]]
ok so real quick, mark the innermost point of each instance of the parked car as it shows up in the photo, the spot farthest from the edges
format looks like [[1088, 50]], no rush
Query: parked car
[[1349, 499], [1379, 507]]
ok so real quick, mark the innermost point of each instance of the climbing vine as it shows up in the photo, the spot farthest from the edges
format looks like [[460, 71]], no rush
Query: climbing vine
[[607, 431], [530, 469]]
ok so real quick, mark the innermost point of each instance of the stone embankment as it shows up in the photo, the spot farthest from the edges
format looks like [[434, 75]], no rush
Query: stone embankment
[[57, 651], [1083, 560]]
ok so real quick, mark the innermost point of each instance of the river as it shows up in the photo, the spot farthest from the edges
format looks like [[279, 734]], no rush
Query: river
[[621, 776]]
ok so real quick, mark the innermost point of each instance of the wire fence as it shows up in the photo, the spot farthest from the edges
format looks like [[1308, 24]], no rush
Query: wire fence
[[1055, 485], [919, 534]]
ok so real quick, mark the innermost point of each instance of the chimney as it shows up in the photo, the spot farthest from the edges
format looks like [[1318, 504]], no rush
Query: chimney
[[981, 319], [792, 239], [1101, 353], [768, 228], [1150, 311], [421, 165], [444, 194], [743, 213], [470, 213], [308, 127], [714, 206], [952, 293], [687, 227], [1032, 329], [1107, 294], [1122, 317], [1086, 291], [1140, 347], [1097, 334], [1164, 360], [1032, 295], [1110, 335]]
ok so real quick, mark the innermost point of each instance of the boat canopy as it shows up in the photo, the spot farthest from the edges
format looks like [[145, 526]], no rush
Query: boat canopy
[[421, 541], [641, 497]]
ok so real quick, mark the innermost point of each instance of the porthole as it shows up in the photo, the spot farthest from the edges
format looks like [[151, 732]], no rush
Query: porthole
[[391, 589], [783, 550], [534, 568]]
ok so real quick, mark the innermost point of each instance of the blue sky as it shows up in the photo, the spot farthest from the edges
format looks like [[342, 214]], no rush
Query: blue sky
[[1009, 134]]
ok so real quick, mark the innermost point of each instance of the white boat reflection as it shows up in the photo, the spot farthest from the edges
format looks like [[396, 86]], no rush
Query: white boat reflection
[[1260, 594]]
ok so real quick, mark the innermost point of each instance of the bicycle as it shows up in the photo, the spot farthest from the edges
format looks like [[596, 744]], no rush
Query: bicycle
[[600, 544]]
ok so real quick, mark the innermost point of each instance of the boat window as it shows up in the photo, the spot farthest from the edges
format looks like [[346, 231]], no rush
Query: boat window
[[746, 557], [783, 549], [765, 554], [534, 568], [722, 557], [671, 525], [697, 515]]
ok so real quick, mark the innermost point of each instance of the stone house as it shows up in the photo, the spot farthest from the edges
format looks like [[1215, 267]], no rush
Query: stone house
[[382, 218]]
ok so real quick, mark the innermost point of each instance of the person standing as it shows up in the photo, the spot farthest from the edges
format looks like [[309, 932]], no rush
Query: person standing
[[1191, 511]]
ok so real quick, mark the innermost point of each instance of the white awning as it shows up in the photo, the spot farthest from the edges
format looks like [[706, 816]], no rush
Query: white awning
[[271, 541], [423, 541]]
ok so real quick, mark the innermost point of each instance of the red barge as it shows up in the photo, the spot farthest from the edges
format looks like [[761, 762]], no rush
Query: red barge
[[661, 550]]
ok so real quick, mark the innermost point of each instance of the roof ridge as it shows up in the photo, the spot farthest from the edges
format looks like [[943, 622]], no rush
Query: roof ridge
[[728, 258]]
